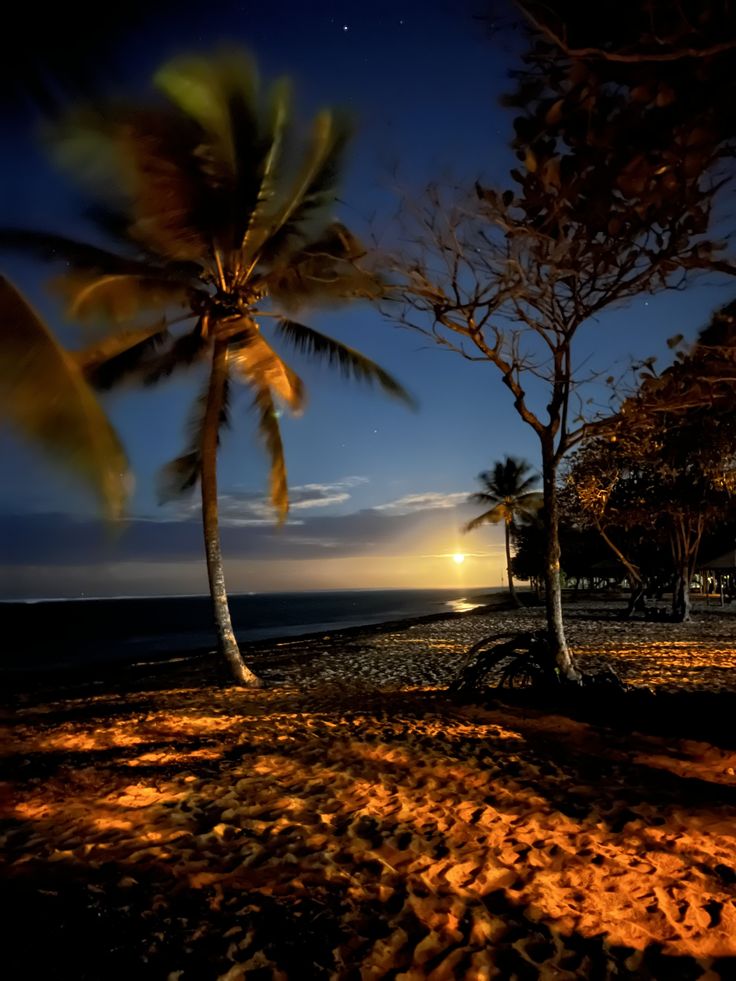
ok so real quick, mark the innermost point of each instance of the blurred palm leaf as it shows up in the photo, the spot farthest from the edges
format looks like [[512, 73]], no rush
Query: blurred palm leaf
[[221, 96], [182, 474], [259, 365], [270, 432], [493, 517], [118, 298], [351, 363], [181, 353], [312, 191], [267, 171], [175, 212], [108, 362], [44, 394]]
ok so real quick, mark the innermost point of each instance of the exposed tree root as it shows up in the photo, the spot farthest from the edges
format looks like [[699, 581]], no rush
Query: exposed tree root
[[521, 660]]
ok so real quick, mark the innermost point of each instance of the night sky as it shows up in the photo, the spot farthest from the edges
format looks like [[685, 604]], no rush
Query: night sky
[[377, 490]]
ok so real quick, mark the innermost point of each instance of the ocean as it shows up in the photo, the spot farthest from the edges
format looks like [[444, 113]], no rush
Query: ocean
[[59, 633]]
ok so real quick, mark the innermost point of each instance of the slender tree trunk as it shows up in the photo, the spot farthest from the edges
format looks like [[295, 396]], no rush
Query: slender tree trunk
[[686, 538], [552, 587], [635, 577], [226, 642], [682, 599], [512, 589], [636, 599]]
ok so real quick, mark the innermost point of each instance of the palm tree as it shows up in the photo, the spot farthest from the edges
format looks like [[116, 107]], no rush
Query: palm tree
[[221, 229], [508, 496]]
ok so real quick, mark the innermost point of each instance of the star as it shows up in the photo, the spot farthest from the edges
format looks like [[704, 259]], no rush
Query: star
[[345, 27]]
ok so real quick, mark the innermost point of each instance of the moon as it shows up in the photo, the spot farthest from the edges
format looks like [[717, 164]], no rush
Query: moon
[[458, 558]]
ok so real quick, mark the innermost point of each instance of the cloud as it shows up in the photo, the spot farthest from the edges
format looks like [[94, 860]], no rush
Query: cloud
[[251, 508], [418, 531], [429, 500], [59, 539]]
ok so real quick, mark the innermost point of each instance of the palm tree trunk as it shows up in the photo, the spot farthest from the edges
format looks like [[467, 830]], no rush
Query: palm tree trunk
[[226, 642], [552, 586], [512, 590]]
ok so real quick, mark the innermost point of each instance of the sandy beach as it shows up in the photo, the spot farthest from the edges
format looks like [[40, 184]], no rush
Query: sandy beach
[[351, 822]]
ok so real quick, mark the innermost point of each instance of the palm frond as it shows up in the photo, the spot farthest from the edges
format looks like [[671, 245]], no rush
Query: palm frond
[[43, 392], [351, 363], [313, 190], [181, 354], [270, 432], [175, 212], [259, 365], [149, 157], [494, 517], [179, 477], [111, 360], [530, 501], [220, 94], [118, 298], [182, 474], [526, 485], [509, 478], [240, 148], [114, 221], [481, 497], [256, 209]]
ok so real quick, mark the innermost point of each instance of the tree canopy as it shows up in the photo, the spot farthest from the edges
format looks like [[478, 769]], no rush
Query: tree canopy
[[665, 463], [614, 196]]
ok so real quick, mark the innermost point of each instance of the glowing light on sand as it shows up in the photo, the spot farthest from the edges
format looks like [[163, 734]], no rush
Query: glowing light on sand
[[458, 558]]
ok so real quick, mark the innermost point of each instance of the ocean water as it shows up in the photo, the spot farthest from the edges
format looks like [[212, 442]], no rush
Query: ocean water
[[56, 633]]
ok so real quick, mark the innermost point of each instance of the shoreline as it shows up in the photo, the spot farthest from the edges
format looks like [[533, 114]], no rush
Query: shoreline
[[386, 652], [278, 649]]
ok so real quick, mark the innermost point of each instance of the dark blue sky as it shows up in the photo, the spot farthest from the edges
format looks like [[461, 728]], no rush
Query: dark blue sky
[[375, 485]]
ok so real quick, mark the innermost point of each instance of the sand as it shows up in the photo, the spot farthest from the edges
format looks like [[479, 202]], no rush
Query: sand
[[351, 822]]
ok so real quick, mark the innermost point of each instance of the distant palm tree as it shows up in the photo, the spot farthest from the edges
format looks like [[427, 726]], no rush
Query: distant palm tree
[[507, 494], [220, 227]]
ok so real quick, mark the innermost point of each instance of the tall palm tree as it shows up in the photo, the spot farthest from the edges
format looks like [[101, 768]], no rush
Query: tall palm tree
[[219, 219], [508, 496]]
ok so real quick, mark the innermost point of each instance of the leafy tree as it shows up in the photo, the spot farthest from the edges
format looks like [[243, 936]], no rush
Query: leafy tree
[[665, 464], [581, 549], [220, 227], [507, 494], [595, 215], [614, 496], [662, 70]]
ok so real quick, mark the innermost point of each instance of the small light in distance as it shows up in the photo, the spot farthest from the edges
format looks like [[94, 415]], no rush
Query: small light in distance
[[458, 558]]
